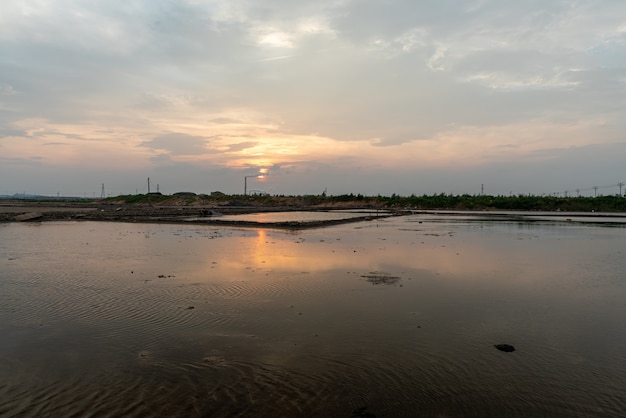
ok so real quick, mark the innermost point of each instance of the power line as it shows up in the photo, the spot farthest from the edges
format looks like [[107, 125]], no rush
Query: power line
[[589, 189]]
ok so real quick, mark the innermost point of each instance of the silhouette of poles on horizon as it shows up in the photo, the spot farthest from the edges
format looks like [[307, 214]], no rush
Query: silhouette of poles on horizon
[[595, 189]]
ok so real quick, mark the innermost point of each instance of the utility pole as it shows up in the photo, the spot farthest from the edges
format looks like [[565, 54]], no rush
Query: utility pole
[[149, 202]]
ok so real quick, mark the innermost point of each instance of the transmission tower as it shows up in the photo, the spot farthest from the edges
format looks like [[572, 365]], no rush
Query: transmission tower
[[102, 192]]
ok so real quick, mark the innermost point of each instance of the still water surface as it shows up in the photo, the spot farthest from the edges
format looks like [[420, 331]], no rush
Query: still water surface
[[391, 318]]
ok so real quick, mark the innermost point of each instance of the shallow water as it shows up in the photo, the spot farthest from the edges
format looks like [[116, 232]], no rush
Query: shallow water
[[395, 317], [302, 216]]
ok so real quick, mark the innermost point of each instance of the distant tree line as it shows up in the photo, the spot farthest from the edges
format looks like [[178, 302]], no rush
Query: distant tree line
[[440, 201]]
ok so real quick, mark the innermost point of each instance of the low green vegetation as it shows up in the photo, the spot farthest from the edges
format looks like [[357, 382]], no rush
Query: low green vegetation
[[426, 202]]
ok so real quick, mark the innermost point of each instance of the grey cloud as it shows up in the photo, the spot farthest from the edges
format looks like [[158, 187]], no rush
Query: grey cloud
[[55, 144], [66, 76], [8, 132], [361, 94], [242, 146], [395, 101], [129, 63], [63, 134], [162, 159], [29, 161], [177, 144]]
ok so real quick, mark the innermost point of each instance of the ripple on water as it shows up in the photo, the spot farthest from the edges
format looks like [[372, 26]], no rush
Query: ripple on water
[[83, 336], [219, 386]]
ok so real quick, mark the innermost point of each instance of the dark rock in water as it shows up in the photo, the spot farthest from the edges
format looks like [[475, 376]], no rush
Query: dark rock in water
[[507, 348]]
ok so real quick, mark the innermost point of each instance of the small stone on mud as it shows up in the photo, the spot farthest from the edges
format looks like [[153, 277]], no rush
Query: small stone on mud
[[363, 413], [214, 360]]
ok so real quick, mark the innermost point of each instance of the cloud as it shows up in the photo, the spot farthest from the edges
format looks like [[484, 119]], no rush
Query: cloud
[[177, 144], [226, 121], [25, 162], [9, 132], [365, 83], [242, 146]]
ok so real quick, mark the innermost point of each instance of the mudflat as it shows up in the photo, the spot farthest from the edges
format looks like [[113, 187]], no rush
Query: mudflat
[[18, 211], [434, 315]]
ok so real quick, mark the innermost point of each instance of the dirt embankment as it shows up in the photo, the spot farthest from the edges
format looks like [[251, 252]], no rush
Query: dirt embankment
[[27, 211], [44, 212]]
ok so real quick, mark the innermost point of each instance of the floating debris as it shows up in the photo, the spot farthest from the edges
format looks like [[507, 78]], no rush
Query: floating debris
[[377, 278]]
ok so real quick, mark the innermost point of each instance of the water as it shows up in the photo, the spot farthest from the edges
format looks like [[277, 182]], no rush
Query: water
[[299, 216], [392, 318]]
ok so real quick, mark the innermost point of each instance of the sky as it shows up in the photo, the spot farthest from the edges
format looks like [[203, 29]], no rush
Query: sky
[[343, 96]]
